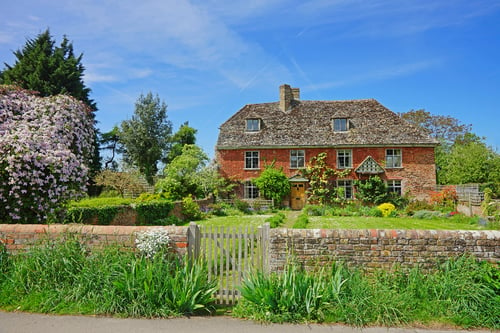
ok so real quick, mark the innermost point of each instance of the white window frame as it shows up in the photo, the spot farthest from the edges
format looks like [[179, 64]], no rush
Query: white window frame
[[347, 185], [297, 159], [342, 158], [250, 158], [395, 186], [250, 190], [252, 125], [393, 160], [340, 124]]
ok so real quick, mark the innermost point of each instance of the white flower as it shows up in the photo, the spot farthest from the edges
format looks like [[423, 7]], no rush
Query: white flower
[[151, 241]]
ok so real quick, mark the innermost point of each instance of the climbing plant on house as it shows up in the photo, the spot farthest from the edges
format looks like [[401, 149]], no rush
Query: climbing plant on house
[[321, 176]]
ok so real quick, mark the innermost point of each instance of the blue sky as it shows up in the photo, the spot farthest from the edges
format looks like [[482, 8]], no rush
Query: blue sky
[[208, 58]]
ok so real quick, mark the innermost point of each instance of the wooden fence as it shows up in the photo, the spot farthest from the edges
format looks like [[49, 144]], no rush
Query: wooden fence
[[230, 253]]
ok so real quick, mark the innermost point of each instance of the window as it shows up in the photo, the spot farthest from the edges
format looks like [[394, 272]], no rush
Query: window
[[347, 186], [344, 159], [297, 159], [251, 191], [394, 186], [251, 160], [340, 125], [253, 125], [393, 158]]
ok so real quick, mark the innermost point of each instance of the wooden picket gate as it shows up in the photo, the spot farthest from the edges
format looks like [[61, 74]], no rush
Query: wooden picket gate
[[230, 253]]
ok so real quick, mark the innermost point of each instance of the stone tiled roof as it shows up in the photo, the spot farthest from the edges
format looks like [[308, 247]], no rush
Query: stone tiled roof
[[310, 124]]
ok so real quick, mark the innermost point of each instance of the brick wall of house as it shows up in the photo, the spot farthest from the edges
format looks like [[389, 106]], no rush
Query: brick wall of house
[[418, 173], [17, 237], [373, 249]]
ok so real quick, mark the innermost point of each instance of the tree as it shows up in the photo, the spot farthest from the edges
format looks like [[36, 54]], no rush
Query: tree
[[470, 161], [186, 135], [182, 175], [462, 157], [52, 70], [212, 183], [145, 137], [444, 128], [119, 181], [273, 183], [45, 143], [111, 141]]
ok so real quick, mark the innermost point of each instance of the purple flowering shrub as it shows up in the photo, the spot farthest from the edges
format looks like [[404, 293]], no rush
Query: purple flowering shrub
[[45, 143]]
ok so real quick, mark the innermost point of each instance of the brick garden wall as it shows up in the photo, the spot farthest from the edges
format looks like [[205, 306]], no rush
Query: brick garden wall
[[20, 236], [372, 249]]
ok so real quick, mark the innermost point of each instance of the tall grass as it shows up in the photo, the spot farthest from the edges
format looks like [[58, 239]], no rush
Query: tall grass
[[461, 292], [62, 276]]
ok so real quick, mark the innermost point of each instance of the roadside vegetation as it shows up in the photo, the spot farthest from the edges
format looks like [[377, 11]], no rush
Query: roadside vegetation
[[462, 292], [62, 276]]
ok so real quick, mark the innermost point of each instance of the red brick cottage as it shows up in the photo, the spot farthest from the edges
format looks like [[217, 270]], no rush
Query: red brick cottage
[[360, 135]]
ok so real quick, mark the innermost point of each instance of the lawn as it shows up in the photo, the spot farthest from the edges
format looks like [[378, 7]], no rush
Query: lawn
[[458, 222]]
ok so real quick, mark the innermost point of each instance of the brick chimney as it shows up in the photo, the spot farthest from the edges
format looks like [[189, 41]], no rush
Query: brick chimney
[[287, 95]]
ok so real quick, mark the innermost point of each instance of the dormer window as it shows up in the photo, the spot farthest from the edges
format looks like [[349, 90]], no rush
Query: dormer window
[[340, 125], [253, 125]]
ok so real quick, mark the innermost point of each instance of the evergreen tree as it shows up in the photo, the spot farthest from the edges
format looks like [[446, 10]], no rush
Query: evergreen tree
[[186, 135], [48, 69], [146, 136]]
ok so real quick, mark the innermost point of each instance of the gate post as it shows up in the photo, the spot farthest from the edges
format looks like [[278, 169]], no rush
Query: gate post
[[264, 231], [194, 241]]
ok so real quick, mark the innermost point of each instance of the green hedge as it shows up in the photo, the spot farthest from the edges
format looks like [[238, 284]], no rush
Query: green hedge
[[148, 213], [153, 212]]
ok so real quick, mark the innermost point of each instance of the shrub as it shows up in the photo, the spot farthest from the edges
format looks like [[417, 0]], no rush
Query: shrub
[[371, 191], [91, 215], [314, 210], [416, 205], [101, 202], [242, 206], [190, 209], [426, 214], [445, 199], [276, 220], [45, 143], [151, 212], [386, 209], [273, 183]]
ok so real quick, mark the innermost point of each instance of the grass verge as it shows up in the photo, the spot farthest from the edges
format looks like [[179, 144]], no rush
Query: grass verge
[[62, 276], [462, 292]]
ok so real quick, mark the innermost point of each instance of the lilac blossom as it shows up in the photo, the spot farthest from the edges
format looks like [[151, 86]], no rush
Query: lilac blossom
[[45, 143]]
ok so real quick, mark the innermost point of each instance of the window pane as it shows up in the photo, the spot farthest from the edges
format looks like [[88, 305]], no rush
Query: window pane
[[394, 186], [251, 191], [251, 160], [347, 186], [340, 125], [344, 159], [393, 158], [253, 125], [297, 158]]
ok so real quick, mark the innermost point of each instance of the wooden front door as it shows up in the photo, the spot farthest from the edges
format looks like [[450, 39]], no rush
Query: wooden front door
[[298, 196]]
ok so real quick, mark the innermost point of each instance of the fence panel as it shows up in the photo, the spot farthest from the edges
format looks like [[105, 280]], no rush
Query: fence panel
[[231, 253]]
